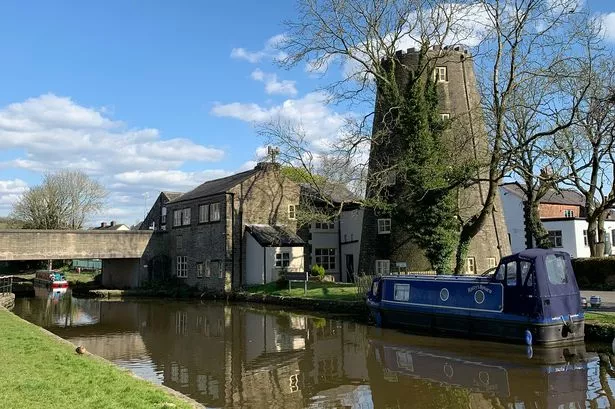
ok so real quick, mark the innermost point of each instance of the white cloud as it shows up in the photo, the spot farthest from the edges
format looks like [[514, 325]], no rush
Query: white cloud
[[608, 26], [57, 133], [268, 51], [272, 85], [11, 191]]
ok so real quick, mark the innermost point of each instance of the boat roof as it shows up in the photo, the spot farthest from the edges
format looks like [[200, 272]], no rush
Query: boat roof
[[534, 253]]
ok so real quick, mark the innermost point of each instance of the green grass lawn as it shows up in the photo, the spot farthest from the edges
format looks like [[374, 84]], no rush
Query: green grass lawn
[[38, 371], [600, 317], [321, 290]]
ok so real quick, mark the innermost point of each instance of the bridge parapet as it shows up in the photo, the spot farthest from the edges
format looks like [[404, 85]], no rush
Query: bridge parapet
[[72, 244]]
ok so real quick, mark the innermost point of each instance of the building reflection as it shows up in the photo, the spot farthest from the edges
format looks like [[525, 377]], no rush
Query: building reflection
[[242, 356]]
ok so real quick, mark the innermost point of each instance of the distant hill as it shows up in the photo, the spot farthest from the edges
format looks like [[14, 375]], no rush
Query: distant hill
[[8, 223]]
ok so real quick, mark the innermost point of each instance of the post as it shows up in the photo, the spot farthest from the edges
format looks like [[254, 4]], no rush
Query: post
[[305, 283]]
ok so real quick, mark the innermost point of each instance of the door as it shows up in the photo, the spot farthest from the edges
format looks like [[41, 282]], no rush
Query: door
[[350, 268], [519, 288]]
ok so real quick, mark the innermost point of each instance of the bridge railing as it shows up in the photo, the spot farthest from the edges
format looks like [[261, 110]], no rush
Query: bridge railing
[[6, 284]]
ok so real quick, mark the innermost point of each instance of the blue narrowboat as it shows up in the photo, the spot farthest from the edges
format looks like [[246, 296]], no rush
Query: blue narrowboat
[[532, 297]]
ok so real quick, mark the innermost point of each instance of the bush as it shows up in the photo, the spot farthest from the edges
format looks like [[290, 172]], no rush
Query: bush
[[595, 273], [318, 271]]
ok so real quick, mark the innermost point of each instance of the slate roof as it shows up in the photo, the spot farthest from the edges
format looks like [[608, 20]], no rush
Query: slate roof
[[274, 236], [114, 227], [563, 196], [334, 192], [216, 186]]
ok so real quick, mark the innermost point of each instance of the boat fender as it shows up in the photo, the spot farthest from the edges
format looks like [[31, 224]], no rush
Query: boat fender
[[528, 337], [378, 318], [529, 352], [568, 324]]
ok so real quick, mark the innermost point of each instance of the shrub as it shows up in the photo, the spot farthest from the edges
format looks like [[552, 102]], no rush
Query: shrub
[[318, 271], [596, 273]]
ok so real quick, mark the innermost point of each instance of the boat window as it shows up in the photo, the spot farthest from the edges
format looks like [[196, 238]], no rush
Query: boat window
[[501, 272], [402, 292], [556, 269], [525, 272], [511, 274]]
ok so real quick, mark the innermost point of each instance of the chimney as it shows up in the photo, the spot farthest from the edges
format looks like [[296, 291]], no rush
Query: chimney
[[267, 166], [103, 224], [112, 223]]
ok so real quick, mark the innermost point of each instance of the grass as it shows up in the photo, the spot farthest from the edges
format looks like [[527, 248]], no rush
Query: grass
[[600, 317], [38, 371], [318, 290]]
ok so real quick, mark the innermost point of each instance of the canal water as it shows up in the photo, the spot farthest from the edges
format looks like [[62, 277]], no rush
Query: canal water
[[250, 356]]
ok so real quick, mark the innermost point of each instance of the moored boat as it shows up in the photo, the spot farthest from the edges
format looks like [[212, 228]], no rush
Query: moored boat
[[532, 297], [50, 278]]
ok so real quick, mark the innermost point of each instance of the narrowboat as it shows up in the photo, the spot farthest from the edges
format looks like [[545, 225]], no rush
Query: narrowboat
[[532, 297], [50, 278]]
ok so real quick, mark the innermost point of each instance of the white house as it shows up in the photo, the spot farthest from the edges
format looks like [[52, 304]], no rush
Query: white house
[[561, 212]]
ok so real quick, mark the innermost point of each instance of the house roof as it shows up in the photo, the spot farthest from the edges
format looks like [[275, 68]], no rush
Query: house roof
[[171, 195], [216, 186], [120, 226], [274, 236], [553, 196], [334, 192]]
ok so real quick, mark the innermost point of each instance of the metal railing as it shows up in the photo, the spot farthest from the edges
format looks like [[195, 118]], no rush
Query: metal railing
[[6, 284]]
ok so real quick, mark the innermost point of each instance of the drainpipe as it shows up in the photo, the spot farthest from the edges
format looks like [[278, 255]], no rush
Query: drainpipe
[[339, 248], [264, 265], [233, 240]]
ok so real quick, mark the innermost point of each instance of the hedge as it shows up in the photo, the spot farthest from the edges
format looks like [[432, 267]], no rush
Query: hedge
[[595, 273]]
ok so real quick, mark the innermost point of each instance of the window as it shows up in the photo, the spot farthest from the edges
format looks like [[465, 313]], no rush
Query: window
[[282, 259], [501, 273], [177, 218], [216, 269], [556, 269], [182, 266], [207, 268], [384, 226], [325, 258], [445, 117], [440, 74], [568, 213], [383, 267], [613, 236], [555, 237], [186, 217], [325, 225], [585, 240], [471, 265], [402, 292], [511, 274], [179, 242], [199, 270], [292, 212], [203, 213], [214, 212], [525, 273], [491, 262], [163, 217]]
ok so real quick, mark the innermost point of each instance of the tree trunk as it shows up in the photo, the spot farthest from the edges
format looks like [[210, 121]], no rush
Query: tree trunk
[[534, 228], [592, 237]]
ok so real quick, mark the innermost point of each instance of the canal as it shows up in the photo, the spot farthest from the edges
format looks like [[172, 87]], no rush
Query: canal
[[250, 356]]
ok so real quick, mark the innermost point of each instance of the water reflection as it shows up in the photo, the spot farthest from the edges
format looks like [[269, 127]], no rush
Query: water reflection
[[245, 356]]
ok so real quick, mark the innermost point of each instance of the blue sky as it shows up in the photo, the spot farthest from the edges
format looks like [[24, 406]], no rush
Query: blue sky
[[147, 95]]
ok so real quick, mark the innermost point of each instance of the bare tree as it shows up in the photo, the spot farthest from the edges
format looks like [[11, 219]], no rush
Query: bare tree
[[64, 200], [587, 149]]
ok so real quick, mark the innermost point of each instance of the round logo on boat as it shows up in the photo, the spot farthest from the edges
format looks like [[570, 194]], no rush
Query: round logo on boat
[[444, 294], [479, 297]]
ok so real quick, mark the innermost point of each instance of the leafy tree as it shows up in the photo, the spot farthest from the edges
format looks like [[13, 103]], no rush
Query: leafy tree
[[63, 200]]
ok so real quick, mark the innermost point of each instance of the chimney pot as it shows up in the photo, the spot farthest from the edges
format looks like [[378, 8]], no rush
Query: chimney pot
[[112, 222], [103, 224]]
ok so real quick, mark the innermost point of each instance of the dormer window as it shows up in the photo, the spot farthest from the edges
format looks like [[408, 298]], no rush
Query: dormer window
[[569, 213]]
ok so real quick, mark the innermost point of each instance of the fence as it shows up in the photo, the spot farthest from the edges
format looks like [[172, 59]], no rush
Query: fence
[[6, 284]]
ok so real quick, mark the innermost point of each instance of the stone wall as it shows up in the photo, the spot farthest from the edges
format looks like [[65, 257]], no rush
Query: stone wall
[[7, 300]]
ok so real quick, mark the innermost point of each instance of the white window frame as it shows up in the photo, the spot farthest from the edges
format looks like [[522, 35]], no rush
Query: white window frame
[[207, 268], [163, 215], [445, 116], [186, 217], [383, 267], [586, 238], [282, 259], [568, 213], [401, 292], [182, 266], [384, 226], [292, 212], [440, 74], [177, 218], [203, 213], [491, 262], [199, 270], [554, 235], [214, 209], [471, 265], [327, 257]]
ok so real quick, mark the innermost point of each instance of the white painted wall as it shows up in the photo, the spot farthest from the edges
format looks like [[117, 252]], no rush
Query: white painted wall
[[572, 235], [513, 215], [326, 239], [296, 261], [261, 269], [351, 224]]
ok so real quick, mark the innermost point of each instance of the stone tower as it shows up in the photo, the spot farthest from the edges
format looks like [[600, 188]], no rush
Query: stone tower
[[386, 245]]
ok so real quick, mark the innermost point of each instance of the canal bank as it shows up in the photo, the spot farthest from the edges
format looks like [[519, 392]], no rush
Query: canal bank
[[40, 369]]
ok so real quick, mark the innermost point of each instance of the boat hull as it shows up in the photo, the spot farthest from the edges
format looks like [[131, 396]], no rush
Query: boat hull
[[50, 284], [496, 326]]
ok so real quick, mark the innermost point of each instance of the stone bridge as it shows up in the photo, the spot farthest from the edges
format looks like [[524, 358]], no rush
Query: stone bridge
[[121, 251]]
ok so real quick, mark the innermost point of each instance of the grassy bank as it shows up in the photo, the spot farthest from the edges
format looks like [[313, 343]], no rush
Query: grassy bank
[[39, 371], [316, 289]]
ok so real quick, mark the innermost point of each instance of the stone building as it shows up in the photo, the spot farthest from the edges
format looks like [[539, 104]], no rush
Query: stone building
[[384, 246]]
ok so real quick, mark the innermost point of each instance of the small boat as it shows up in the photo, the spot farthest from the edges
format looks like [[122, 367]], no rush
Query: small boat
[[532, 297], [50, 278]]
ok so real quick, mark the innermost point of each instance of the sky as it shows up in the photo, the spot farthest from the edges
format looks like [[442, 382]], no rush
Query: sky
[[146, 96]]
